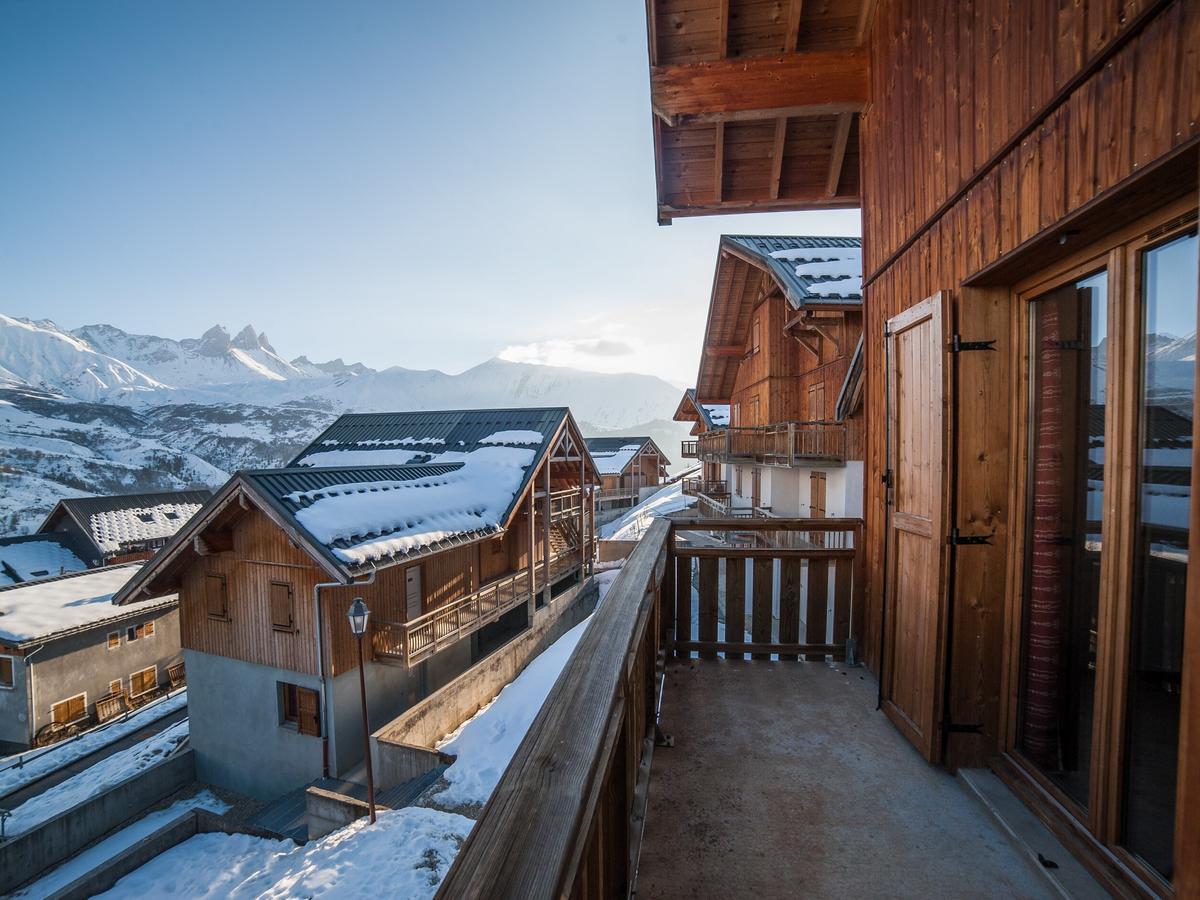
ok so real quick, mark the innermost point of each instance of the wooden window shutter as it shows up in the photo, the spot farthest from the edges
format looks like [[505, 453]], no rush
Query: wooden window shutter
[[308, 708], [216, 596], [283, 609]]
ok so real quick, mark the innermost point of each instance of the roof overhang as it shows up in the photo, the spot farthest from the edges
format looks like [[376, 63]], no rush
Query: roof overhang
[[761, 112]]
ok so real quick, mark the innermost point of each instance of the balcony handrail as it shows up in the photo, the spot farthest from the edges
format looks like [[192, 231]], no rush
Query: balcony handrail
[[566, 817], [536, 838], [783, 443]]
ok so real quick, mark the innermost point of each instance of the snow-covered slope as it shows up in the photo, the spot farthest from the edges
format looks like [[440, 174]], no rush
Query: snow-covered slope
[[42, 355]]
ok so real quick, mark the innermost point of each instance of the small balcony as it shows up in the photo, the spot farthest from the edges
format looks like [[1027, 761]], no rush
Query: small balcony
[[713, 487], [782, 444], [689, 449], [708, 738], [437, 629]]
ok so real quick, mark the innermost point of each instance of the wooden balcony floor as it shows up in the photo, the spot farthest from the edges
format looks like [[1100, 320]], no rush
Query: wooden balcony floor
[[785, 782]]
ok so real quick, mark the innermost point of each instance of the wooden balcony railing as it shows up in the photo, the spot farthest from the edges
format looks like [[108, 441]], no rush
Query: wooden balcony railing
[[689, 449], [783, 444], [566, 818], [427, 634], [614, 495], [713, 487]]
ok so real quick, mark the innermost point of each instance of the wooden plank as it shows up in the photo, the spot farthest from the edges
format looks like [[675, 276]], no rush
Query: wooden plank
[[843, 584], [777, 152], [761, 590], [817, 600], [723, 29], [719, 164], [683, 599], [735, 602], [792, 36], [809, 83], [791, 596], [765, 553], [707, 626]]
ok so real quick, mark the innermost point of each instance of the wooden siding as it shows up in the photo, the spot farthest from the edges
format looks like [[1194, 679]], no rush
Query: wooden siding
[[952, 85]]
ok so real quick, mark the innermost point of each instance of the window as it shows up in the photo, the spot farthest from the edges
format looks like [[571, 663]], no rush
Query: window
[[143, 681], [114, 640], [115, 687], [282, 606], [300, 707], [172, 515], [735, 415], [216, 597], [737, 480], [132, 633], [7, 672], [755, 419], [149, 629], [146, 517], [69, 710], [754, 336]]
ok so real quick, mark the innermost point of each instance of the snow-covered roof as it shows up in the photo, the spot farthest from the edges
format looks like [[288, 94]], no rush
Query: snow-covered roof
[[120, 521], [43, 608], [33, 556], [614, 454], [809, 269], [716, 413]]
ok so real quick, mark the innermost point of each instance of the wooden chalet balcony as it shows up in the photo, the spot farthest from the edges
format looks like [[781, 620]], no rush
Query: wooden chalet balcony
[[689, 449], [615, 495], [708, 742], [714, 487], [427, 634], [784, 444]]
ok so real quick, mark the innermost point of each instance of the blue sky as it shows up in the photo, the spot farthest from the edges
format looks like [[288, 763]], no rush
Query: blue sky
[[425, 185]]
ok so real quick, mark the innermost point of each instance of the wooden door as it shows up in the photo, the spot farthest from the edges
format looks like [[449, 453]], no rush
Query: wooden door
[[918, 427], [414, 596]]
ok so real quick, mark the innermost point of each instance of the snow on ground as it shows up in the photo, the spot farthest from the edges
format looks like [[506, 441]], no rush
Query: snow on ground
[[41, 762], [485, 743], [405, 854], [42, 608], [96, 779], [633, 524], [82, 863], [380, 518]]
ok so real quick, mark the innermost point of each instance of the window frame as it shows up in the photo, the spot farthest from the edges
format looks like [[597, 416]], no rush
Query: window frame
[[12, 672], [290, 708], [141, 672], [82, 715], [288, 627], [109, 644], [120, 683], [223, 615]]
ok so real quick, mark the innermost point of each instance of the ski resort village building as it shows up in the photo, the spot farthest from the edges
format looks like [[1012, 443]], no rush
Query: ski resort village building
[[70, 658], [29, 557], [122, 527], [456, 528], [627, 465], [1019, 585], [784, 322]]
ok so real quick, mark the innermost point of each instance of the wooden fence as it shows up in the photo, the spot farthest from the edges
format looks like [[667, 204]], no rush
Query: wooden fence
[[566, 818], [782, 444]]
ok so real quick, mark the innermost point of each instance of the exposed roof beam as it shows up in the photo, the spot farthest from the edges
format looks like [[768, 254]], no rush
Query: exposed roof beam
[[810, 83], [724, 350], [777, 157], [719, 164], [864, 20], [840, 137], [792, 36], [667, 211]]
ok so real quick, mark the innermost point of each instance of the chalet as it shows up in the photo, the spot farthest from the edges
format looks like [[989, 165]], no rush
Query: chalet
[[29, 557], [784, 321], [627, 465], [123, 527], [711, 480], [1020, 585], [69, 657], [455, 527]]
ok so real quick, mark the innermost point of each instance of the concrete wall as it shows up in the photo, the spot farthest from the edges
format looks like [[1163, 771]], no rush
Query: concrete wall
[[82, 663], [328, 811], [403, 748], [237, 734], [788, 491], [14, 710], [32, 852]]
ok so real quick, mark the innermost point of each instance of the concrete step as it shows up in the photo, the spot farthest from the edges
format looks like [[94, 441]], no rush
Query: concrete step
[[1030, 837]]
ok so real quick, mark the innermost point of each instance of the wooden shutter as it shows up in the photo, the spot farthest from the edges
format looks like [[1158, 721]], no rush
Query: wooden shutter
[[69, 710], [816, 495], [282, 606], [216, 596], [916, 576], [308, 711], [816, 402], [150, 629], [412, 591]]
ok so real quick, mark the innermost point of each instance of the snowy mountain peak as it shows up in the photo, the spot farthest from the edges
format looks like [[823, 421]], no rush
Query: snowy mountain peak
[[247, 339], [214, 342]]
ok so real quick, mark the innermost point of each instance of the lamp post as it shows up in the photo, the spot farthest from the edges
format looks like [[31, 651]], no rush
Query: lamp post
[[358, 616]]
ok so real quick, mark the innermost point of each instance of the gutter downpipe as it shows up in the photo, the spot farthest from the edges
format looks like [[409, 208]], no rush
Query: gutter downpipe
[[321, 662], [28, 659]]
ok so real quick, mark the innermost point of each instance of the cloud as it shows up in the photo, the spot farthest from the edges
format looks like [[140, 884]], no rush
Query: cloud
[[566, 351]]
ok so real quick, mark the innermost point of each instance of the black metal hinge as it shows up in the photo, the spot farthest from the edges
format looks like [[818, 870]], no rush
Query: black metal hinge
[[958, 345], [957, 538]]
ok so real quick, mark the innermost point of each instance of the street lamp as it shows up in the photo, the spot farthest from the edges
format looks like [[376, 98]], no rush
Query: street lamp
[[358, 616]]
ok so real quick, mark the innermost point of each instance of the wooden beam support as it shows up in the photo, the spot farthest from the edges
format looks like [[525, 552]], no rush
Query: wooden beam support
[[723, 29], [815, 83], [840, 138], [719, 164], [725, 350], [792, 36], [777, 157], [826, 334]]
